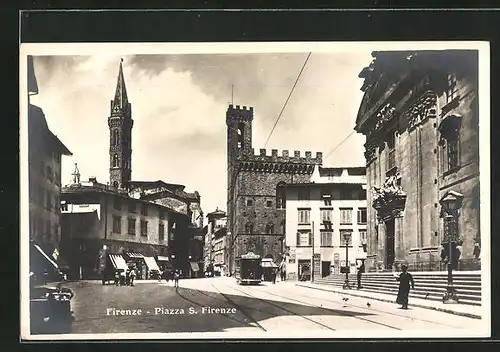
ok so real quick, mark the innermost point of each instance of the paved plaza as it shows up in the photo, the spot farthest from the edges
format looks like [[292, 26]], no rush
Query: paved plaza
[[220, 305]]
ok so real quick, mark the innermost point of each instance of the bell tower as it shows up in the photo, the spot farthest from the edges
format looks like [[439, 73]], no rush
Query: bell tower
[[120, 135]]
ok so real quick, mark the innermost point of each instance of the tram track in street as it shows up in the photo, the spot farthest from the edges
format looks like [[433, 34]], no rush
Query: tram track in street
[[383, 311], [223, 314], [271, 304], [318, 306]]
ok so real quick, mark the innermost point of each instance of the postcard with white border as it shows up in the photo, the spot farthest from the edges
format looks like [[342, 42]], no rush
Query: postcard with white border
[[255, 190]]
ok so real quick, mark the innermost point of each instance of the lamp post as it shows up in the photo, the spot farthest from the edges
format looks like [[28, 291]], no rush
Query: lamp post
[[190, 268], [347, 237], [312, 258], [451, 203]]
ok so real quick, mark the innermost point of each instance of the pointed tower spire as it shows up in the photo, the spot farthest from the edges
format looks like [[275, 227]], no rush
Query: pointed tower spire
[[76, 175], [121, 99]]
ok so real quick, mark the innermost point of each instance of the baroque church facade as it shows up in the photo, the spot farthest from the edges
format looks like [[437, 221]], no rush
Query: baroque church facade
[[420, 117], [255, 189]]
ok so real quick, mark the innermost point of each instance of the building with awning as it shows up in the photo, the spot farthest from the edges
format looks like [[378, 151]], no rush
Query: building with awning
[[194, 266], [42, 265], [118, 262], [151, 264]]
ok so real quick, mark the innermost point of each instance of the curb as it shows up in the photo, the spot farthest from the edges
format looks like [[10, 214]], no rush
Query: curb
[[444, 310]]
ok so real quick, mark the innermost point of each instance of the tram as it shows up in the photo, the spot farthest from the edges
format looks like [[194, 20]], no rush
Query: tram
[[248, 269]]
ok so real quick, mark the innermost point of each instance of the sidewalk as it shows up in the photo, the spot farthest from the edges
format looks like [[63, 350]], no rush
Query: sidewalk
[[465, 310]]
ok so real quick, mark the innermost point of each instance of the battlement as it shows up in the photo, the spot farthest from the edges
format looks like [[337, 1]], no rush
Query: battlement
[[285, 157], [239, 112]]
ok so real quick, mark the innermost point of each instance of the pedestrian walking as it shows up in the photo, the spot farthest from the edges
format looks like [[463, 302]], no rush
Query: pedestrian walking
[[127, 277], [117, 278], [273, 275], [132, 276], [405, 280], [176, 278], [122, 278], [361, 270]]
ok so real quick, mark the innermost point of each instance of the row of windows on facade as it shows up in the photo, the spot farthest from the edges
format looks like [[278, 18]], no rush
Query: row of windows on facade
[[249, 228], [44, 197], [132, 207], [40, 226], [49, 173], [304, 238], [326, 215], [305, 195], [131, 227], [449, 153]]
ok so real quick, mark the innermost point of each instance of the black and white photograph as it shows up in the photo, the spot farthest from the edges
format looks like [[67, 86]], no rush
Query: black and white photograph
[[255, 190]]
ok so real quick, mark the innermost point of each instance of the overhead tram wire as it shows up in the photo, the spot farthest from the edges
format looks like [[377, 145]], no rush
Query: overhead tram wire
[[286, 102], [338, 145]]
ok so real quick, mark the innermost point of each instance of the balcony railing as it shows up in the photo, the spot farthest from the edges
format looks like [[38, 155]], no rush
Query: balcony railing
[[391, 159]]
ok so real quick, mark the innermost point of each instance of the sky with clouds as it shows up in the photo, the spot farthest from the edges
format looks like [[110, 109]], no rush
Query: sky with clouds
[[179, 104]]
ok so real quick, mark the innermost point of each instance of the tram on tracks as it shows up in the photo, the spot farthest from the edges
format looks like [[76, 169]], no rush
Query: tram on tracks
[[248, 269]]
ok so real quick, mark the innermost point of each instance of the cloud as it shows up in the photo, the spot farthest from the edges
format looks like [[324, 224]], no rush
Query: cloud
[[179, 104]]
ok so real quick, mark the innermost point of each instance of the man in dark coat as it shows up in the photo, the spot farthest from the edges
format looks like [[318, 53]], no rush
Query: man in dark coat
[[405, 280]]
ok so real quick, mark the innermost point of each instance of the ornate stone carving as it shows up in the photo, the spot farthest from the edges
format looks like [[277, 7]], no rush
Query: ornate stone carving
[[370, 152], [389, 200], [385, 114], [421, 109]]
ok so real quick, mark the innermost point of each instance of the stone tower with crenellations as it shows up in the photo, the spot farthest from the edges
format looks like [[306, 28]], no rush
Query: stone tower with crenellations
[[255, 202], [120, 136]]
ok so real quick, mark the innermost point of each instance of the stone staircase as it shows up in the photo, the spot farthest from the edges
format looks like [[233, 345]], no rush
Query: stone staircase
[[428, 285]]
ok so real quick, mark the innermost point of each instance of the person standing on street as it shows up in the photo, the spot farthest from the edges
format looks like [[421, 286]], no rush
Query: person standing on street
[[274, 273], [176, 278], [405, 280], [132, 276]]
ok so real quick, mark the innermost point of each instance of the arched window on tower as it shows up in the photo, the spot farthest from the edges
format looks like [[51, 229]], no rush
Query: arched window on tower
[[270, 228], [115, 137], [241, 134], [249, 228], [280, 196], [115, 160]]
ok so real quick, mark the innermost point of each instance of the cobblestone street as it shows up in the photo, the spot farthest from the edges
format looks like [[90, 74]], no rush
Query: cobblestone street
[[219, 305]]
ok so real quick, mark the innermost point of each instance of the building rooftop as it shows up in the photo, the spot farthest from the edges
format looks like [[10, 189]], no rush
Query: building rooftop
[[95, 187], [37, 126]]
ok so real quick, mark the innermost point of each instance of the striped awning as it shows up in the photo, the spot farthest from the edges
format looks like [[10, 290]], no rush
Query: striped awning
[[194, 266], [118, 262], [151, 263], [162, 259], [46, 256], [134, 255]]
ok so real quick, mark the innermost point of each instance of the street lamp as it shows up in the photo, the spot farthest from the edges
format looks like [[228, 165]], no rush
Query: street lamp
[[451, 203], [347, 237]]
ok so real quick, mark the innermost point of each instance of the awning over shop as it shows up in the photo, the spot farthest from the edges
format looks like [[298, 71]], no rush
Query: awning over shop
[[52, 262], [151, 263], [118, 262], [162, 259], [194, 266], [134, 255]]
